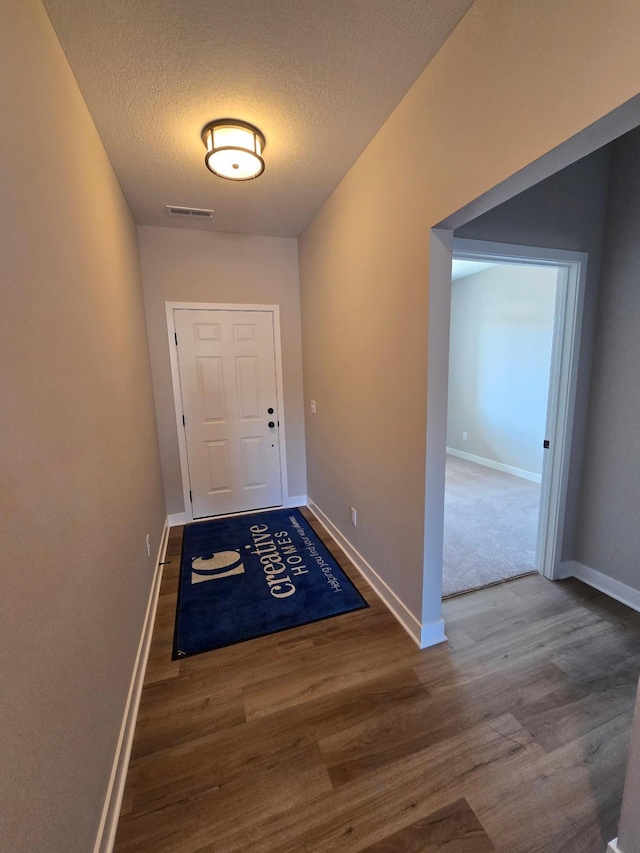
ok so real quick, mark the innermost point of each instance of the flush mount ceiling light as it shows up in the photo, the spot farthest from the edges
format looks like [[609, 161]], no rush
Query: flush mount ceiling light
[[234, 149]]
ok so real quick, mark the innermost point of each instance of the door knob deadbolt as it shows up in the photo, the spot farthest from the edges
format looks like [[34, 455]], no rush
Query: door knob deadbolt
[[270, 411]]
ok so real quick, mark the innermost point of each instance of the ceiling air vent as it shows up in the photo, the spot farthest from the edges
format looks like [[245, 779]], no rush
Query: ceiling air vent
[[189, 211]]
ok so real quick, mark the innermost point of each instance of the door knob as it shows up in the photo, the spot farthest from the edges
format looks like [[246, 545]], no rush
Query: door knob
[[271, 424]]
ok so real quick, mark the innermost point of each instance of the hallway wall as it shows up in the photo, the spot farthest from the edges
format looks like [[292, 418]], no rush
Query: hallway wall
[[608, 534], [79, 463], [526, 77], [182, 265]]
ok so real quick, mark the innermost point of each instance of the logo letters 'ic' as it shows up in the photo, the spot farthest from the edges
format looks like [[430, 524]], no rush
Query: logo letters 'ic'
[[221, 565]]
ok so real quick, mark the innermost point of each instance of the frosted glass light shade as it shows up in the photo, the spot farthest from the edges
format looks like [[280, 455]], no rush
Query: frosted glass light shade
[[234, 149]]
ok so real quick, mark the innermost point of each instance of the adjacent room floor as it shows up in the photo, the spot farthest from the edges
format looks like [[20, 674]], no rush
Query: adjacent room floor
[[344, 736], [490, 526]]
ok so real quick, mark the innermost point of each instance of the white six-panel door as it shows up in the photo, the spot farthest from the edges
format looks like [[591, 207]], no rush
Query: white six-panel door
[[228, 387]]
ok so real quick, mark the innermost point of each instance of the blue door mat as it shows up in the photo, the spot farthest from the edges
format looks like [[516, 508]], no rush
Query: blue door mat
[[250, 575]]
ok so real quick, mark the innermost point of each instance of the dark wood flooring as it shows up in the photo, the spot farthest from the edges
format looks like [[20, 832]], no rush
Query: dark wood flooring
[[343, 736]]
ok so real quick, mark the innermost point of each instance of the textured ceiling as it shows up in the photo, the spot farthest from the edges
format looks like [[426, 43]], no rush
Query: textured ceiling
[[318, 77]]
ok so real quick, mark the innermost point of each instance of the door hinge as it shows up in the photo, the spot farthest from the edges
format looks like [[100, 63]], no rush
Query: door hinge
[[175, 336], [183, 422], [190, 496], [546, 444]]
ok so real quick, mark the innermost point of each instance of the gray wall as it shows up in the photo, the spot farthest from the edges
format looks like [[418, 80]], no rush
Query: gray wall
[[566, 211], [79, 464], [183, 265], [608, 533], [365, 258], [499, 363]]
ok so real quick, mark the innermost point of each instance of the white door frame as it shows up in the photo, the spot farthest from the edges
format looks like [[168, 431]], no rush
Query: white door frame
[[170, 307], [562, 386]]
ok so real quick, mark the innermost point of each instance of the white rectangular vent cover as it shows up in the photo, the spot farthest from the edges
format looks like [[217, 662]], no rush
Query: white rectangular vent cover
[[189, 211]]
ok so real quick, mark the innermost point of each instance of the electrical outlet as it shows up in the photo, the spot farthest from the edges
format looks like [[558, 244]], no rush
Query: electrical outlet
[[148, 545], [313, 407], [464, 436], [354, 516]]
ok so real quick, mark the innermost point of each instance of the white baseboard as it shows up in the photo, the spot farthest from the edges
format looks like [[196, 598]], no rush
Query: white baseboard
[[296, 500], [426, 635], [497, 466], [612, 846], [113, 802], [564, 570], [611, 587], [431, 633], [176, 519]]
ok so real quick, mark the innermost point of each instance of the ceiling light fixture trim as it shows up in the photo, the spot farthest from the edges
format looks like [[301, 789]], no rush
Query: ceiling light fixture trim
[[234, 149]]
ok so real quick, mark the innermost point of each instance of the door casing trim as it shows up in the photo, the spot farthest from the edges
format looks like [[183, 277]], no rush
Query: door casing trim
[[562, 396], [170, 307]]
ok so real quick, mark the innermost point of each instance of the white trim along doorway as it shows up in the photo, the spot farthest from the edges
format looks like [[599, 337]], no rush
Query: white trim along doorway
[[572, 267], [274, 312]]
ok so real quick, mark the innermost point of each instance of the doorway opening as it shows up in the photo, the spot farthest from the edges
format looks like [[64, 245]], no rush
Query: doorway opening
[[515, 318]]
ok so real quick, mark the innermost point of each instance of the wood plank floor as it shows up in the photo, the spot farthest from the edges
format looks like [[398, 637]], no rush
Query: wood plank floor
[[343, 736]]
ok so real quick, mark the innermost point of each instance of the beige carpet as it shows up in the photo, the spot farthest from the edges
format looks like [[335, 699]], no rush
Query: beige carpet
[[490, 526]]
